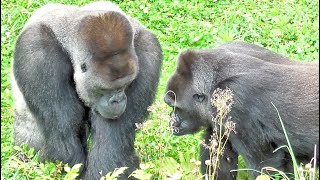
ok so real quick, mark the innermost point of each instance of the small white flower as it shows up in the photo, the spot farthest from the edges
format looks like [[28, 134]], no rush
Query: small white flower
[[198, 163], [208, 162], [308, 166]]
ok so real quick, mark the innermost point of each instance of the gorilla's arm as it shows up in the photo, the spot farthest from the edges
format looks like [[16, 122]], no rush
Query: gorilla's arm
[[43, 73], [113, 145]]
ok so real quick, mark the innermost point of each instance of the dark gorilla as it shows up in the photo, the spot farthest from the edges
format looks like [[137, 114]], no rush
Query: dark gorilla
[[257, 77], [76, 68]]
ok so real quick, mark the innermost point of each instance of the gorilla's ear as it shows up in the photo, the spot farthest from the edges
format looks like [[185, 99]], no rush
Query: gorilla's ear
[[185, 61], [106, 31]]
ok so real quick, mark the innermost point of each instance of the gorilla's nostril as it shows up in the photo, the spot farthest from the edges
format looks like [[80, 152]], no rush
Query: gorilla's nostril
[[83, 67], [117, 98], [115, 101]]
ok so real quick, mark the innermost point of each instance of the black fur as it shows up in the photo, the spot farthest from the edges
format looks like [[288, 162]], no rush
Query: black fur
[[55, 107], [257, 77], [43, 72]]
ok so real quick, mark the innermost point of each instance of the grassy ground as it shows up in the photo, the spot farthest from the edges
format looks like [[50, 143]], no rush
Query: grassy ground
[[289, 27]]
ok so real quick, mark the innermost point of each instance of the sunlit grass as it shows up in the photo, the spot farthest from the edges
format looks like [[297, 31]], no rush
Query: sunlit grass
[[287, 27]]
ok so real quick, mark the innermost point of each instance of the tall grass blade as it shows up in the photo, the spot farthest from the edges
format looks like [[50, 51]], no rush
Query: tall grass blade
[[296, 175]]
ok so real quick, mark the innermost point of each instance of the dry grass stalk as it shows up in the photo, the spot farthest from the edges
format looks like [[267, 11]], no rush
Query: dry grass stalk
[[222, 101]]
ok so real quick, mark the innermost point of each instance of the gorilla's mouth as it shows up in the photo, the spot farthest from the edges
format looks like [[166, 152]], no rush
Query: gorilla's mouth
[[110, 113], [111, 107], [175, 122], [109, 116]]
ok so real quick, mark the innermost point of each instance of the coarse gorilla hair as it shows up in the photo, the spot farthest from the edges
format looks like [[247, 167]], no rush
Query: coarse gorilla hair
[[258, 77], [82, 69]]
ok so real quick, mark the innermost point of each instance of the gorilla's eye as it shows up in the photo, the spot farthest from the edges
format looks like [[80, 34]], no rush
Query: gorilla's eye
[[83, 67], [199, 97], [115, 53]]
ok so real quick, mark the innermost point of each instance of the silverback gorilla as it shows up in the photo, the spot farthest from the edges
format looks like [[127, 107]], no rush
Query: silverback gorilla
[[257, 77], [84, 68]]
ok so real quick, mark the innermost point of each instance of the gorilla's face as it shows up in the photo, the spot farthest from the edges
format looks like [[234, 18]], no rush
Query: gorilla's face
[[110, 63], [189, 96], [185, 119]]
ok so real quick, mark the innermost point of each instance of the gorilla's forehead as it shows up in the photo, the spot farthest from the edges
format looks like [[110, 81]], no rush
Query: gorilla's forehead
[[202, 75]]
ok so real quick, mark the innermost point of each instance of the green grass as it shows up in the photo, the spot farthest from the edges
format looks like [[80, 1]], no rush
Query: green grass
[[287, 27]]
